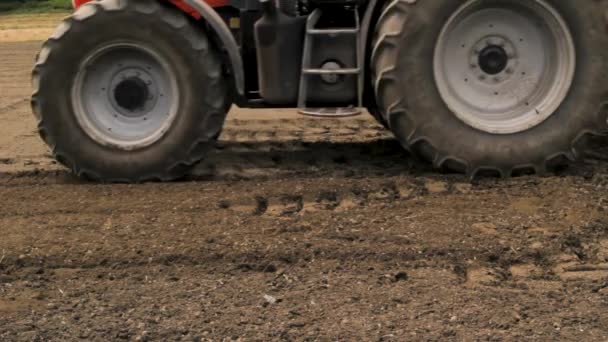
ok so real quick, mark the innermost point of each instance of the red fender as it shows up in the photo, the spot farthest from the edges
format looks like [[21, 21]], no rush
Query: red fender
[[178, 3]]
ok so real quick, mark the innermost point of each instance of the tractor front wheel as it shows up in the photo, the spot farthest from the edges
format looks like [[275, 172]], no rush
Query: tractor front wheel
[[129, 91]]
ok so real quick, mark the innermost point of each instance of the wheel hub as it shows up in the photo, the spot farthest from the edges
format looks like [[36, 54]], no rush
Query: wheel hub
[[504, 66], [131, 94], [493, 59]]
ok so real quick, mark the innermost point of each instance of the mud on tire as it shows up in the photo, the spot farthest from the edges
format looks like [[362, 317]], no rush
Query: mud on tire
[[409, 99], [202, 95]]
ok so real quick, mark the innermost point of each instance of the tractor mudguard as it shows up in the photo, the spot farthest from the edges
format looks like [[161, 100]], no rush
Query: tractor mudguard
[[225, 35], [371, 12]]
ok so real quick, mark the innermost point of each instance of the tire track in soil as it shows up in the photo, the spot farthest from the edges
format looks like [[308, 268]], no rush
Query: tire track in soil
[[14, 105], [262, 149]]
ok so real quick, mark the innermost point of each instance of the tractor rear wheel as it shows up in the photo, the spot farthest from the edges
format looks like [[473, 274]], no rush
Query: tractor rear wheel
[[496, 86], [129, 91]]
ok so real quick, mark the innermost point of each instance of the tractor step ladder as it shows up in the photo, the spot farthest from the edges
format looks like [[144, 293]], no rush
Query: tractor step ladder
[[308, 70]]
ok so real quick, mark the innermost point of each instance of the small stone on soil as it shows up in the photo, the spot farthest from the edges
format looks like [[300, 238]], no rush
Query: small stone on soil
[[270, 299]]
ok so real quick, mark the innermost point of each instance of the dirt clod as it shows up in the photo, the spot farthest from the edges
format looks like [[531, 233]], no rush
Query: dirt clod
[[401, 276]]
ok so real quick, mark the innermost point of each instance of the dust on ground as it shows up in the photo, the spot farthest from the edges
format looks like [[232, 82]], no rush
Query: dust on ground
[[294, 229]]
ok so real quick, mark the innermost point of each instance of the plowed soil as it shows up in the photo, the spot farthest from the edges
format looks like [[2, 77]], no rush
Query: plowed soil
[[295, 229]]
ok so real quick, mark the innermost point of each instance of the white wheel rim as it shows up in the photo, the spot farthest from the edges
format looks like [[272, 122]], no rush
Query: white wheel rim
[[504, 66], [125, 96]]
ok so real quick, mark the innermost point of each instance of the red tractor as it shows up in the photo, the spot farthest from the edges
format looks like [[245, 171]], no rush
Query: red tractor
[[136, 90]]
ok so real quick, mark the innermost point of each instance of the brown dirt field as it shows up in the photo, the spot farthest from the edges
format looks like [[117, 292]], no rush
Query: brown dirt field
[[295, 229]]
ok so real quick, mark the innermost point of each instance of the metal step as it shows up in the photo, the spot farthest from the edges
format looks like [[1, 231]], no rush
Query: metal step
[[308, 70], [344, 71], [332, 31], [339, 112]]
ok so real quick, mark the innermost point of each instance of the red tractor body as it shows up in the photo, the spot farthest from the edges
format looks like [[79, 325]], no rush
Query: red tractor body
[[178, 3]]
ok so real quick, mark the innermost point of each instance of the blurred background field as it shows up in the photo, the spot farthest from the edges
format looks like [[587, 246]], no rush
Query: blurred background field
[[34, 6], [30, 20], [20, 21]]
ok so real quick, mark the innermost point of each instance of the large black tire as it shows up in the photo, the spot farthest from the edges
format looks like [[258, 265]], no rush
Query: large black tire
[[203, 99], [409, 100]]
